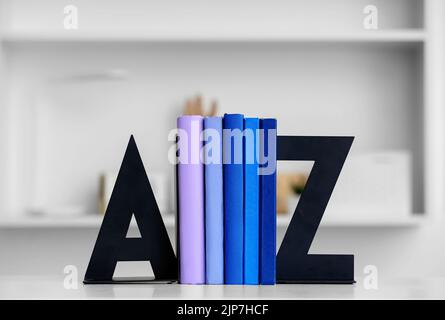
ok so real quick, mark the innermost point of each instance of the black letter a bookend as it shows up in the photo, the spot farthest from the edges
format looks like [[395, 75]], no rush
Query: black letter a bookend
[[132, 194]]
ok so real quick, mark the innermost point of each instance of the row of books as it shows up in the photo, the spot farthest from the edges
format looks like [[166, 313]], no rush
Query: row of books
[[226, 199]]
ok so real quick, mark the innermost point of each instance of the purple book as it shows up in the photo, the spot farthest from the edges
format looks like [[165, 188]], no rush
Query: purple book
[[191, 201]]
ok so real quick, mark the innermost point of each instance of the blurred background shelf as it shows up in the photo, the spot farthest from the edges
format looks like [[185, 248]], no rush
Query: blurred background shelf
[[133, 61], [89, 221], [94, 221], [261, 36]]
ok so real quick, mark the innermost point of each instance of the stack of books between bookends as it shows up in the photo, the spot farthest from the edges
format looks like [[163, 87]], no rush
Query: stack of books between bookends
[[226, 183]]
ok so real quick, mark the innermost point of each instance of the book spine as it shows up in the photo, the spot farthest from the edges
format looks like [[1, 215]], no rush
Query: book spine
[[214, 214], [191, 200], [233, 126], [268, 201], [251, 202]]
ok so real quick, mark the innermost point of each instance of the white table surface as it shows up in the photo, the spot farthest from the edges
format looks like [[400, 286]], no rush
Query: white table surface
[[52, 288]]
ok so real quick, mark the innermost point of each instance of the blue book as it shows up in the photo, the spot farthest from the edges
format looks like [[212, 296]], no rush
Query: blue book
[[233, 125], [268, 200], [251, 202], [214, 210]]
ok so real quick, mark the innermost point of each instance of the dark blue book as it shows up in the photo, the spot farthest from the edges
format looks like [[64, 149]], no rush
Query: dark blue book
[[251, 202], [233, 173], [214, 209], [268, 201]]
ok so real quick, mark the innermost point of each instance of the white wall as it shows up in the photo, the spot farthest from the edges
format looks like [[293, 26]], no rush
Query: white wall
[[3, 122]]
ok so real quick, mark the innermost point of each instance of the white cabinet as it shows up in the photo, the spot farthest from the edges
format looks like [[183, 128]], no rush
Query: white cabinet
[[311, 64]]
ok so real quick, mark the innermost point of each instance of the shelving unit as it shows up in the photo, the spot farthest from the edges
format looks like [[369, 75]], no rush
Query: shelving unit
[[315, 62]]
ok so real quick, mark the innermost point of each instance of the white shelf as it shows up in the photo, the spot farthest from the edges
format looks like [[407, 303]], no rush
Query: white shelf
[[49, 287], [365, 221], [87, 221], [389, 36], [94, 221]]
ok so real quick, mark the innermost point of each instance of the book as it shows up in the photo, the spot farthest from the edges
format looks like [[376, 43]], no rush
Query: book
[[191, 200], [268, 201], [214, 210], [233, 176], [251, 202]]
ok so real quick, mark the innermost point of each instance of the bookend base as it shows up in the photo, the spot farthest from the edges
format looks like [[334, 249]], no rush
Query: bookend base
[[348, 282], [132, 280]]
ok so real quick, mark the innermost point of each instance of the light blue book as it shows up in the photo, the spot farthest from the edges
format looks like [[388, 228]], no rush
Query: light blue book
[[214, 210], [251, 202]]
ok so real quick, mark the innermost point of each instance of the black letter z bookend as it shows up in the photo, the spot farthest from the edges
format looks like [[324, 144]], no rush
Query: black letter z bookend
[[132, 194], [294, 264]]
